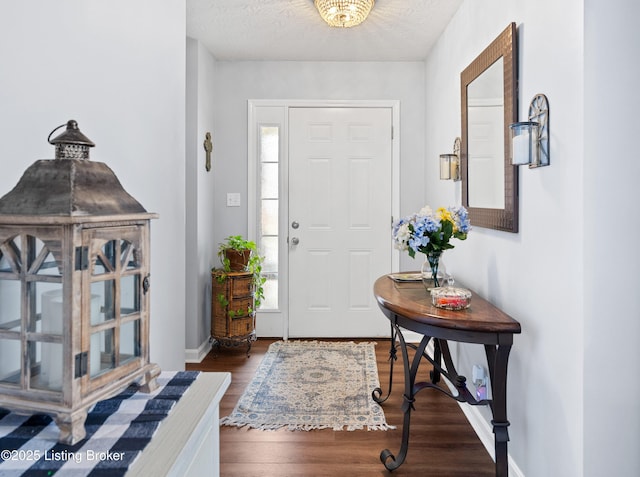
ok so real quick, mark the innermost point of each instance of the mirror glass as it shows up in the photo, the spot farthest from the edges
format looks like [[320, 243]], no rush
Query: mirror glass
[[485, 125], [489, 181]]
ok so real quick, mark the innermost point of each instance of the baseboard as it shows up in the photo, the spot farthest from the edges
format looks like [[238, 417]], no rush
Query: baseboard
[[485, 433], [480, 426], [198, 354]]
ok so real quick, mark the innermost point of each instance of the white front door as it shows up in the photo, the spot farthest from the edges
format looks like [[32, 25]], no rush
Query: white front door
[[340, 207]]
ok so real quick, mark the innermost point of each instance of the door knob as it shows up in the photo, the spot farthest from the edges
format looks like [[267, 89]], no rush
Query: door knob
[[295, 225], [295, 241]]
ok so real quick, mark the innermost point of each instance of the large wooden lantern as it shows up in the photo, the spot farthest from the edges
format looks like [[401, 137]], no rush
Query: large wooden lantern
[[74, 288]]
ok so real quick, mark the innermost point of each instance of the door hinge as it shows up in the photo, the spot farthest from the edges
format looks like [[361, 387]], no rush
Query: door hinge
[[392, 133], [81, 364], [146, 283], [82, 258]]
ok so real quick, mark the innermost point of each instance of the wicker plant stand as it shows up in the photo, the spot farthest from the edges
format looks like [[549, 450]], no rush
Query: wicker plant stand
[[233, 317]]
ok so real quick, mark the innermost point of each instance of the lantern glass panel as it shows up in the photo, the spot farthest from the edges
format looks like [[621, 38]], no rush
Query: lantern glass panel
[[102, 356], [46, 365], [42, 260], [49, 266], [10, 361], [10, 256], [129, 341], [129, 295], [129, 256], [100, 266], [103, 296], [105, 261], [10, 291], [5, 266], [47, 317]]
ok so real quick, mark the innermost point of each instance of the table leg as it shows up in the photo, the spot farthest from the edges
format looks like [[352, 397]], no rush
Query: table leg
[[437, 358], [377, 392], [390, 461], [497, 359]]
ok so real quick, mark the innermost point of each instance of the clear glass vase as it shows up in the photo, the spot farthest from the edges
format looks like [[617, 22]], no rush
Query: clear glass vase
[[433, 271]]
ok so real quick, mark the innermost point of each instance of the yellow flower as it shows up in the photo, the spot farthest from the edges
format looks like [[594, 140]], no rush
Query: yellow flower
[[445, 214]]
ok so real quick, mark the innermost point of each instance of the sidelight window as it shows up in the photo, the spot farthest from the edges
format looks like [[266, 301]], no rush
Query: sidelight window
[[269, 199]]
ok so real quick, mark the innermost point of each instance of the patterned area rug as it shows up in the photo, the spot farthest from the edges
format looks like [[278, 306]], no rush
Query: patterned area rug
[[304, 385]]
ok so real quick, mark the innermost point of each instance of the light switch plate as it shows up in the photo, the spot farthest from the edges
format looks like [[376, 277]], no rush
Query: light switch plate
[[233, 199]]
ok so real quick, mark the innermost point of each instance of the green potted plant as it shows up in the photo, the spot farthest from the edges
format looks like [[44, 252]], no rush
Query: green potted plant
[[238, 254]]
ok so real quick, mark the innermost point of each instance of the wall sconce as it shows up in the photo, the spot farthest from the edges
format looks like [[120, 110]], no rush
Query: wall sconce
[[450, 163], [530, 139]]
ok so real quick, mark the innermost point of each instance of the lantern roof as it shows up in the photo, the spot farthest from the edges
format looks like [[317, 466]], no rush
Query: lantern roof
[[69, 188]]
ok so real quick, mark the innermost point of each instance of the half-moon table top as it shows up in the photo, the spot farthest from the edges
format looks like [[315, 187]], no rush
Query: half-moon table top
[[411, 300]]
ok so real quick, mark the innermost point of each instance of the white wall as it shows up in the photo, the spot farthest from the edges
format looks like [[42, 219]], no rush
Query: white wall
[[535, 275], [565, 418], [200, 189], [117, 68], [218, 92], [238, 82], [611, 173]]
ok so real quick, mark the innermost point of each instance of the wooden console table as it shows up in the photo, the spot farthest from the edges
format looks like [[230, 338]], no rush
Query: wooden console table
[[408, 306]]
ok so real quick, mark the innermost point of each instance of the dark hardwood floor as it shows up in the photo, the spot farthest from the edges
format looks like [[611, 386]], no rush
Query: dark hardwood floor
[[442, 442]]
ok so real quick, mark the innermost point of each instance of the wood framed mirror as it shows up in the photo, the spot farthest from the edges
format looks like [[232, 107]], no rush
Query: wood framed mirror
[[489, 105]]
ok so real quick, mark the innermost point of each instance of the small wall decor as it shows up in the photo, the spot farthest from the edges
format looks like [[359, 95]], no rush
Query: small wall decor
[[208, 147], [450, 163], [530, 139]]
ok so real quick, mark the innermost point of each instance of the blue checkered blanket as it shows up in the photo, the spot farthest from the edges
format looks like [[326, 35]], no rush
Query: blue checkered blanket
[[118, 429]]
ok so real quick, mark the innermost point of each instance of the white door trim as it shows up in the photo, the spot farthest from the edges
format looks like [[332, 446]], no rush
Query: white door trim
[[285, 104]]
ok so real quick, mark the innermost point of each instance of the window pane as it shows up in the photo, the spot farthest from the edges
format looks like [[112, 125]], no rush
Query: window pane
[[269, 220], [49, 297], [10, 257], [268, 209], [48, 266], [10, 357], [102, 356], [269, 144], [105, 261], [10, 293], [270, 251], [270, 300], [46, 367], [129, 341], [5, 265], [269, 180], [129, 256], [129, 295], [103, 306]]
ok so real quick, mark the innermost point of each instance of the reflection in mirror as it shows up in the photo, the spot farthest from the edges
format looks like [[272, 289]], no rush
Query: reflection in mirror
[[488, 99], [485, 123]]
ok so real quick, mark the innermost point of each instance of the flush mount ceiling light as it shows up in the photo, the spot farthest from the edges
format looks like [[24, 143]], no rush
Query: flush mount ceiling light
[[344, 13]]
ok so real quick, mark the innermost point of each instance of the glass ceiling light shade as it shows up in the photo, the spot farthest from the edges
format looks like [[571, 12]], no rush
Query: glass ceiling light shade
[[344, 13]]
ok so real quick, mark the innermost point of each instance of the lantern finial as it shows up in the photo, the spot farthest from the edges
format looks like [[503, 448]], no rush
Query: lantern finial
[[71, 144]]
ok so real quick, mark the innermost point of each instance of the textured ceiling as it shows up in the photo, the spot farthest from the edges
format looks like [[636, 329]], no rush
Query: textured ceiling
[[396, 30]]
